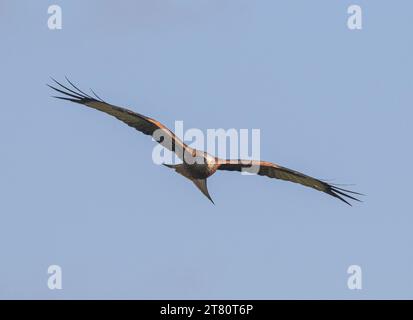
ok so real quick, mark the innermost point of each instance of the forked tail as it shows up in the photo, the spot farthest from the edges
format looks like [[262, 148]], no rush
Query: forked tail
[[201, 184]]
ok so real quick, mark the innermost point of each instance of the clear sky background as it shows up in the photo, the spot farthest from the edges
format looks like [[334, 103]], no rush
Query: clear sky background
[[79, 188]]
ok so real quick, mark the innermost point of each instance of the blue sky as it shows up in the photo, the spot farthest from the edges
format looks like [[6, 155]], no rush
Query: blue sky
[[79, 189]]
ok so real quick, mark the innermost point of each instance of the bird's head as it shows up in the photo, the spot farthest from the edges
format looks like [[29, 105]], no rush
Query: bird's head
[[201, 157]]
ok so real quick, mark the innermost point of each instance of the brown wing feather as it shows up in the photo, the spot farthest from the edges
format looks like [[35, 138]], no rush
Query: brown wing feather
[[144, 124], [273, 170]]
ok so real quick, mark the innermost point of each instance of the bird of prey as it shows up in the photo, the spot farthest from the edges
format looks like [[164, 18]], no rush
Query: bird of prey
[[196, 165]]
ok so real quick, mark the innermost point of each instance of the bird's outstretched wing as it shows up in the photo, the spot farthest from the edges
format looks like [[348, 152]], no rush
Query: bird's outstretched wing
[[144, 124], [273, 170]]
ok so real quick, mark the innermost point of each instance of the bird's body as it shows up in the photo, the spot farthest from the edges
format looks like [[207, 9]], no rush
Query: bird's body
[[197, 165], [200, 166]]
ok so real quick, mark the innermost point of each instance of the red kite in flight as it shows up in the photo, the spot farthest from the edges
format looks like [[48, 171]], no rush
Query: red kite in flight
[[197, 165]]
